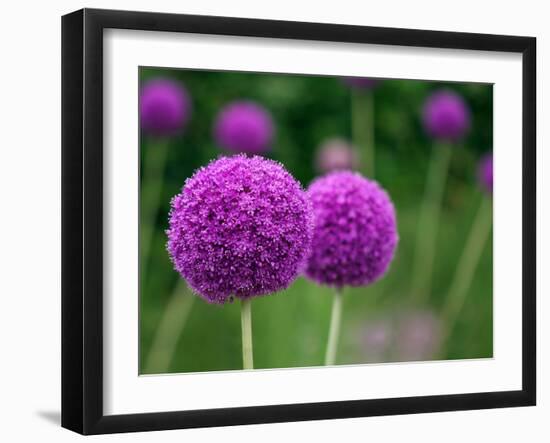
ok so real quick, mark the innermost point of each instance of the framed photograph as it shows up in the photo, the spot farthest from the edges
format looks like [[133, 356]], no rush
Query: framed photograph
[[268, 221]]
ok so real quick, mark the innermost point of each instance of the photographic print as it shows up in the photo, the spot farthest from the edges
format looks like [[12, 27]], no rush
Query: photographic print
[[299, 221], [249, 204]]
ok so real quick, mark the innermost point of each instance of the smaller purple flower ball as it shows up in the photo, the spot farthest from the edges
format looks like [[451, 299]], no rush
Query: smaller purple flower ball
[[241, 227], [336, 154], [361, 82], [446, 116], [485, 173], [244, 127], [164, 107], [355, 233]]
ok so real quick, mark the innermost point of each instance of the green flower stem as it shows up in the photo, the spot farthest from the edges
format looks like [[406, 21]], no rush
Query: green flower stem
[[169, 330], [334, 331], [154, 164], [246, 327], [465, 271], [428, 222], [363, 129]]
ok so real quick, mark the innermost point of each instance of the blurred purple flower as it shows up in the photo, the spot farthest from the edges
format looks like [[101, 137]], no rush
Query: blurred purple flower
[[336, 154], [244, 127], [240, 227], [355, 233], [418, 336], [412, 335], [375, 338], [360, 82], [164, 107], [485, 172], [446, 116]]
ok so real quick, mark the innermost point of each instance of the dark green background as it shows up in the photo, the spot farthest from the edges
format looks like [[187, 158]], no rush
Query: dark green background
[[290, 328]]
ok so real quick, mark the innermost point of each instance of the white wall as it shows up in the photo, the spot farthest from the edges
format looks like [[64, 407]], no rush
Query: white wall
[[30, 221]]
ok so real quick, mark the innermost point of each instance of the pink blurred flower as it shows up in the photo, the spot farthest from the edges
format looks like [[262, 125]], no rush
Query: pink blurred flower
[[336, 154], [361, 82], [413, 335], [485, 172], [418, 336], [375, 338]]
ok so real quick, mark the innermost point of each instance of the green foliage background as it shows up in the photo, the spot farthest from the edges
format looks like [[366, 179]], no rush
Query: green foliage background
[[290, 328]]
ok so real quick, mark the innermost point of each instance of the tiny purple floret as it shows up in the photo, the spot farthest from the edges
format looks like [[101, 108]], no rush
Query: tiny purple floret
[[164, 107], [244, 127], [485, 173], [355, 233], [446, 116], [336, 154], [241, 227]]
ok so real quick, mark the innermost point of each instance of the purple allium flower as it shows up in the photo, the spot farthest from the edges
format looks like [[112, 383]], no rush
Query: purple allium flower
[[241, 226], [361, 82], [336, 154], [485, 172], [244, 126], [418, 336], [355, 233], [164, 107], [446, 116]]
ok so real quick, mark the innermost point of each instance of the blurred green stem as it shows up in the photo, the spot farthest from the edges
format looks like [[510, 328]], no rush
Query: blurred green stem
[[246, 327], [334, 331], [363, 129], [428, 222], [154, 163], [467, 265], [169, 330]]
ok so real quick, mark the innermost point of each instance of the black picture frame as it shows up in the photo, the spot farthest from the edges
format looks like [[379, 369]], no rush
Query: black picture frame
[[82, 220]]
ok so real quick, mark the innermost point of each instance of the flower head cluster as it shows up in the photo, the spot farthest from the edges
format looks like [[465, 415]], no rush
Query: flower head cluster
[[244, 126], [361, 82], [446, 116], [485, 173], [336, 154], [355, 233], [164, 107], [241, 226]]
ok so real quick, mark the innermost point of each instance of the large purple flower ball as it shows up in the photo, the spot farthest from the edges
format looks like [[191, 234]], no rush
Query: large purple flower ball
[[485, 173], [164, 107], [336, 154], [241, 226], [244, 127], [446, 116], [355, 233]]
